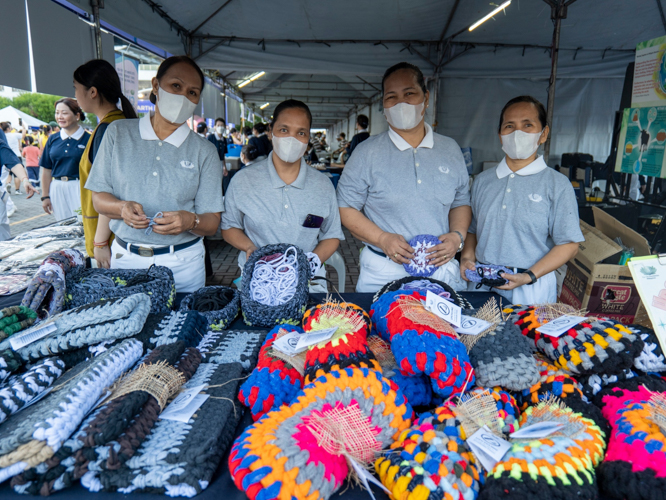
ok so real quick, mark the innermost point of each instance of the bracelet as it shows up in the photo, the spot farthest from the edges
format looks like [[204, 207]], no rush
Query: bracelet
[[46, 198], [462, 240], [101, 244], [532, 276]]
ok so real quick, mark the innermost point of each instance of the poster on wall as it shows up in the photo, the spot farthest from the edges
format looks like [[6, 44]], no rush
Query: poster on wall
[[128, 72], [650, 74], [642, 142]]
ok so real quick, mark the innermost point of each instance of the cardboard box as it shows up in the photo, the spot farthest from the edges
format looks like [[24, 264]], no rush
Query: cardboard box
[[233, 162], [604, 289]]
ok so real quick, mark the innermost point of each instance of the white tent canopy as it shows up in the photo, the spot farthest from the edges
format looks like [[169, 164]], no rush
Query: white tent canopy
[[12, 115]]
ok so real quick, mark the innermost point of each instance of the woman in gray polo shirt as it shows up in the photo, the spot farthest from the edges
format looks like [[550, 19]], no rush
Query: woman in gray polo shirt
[[281, 199], [403, 183], [525, 214], [159, 182]]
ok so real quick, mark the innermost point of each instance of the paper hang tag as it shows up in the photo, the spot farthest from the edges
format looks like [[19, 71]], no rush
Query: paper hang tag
[[22, 339], [472, 326], [488, 448], [288, 344], [537, 431], [185, 405], [314, 337], [560, 326], [366, 478], [446, 310]]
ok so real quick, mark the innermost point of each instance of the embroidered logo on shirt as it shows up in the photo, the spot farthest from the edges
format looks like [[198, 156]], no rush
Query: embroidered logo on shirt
[[186, 164], [535, 198], [82, 146], [444, 170]]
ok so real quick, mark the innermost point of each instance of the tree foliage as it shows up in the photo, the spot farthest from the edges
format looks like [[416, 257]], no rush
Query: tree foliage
[[41, 106]]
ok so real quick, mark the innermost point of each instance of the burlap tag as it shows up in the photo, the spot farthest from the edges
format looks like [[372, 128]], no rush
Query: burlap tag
[[414, 310], [489, 312], [657, 405], [160, 380], [476, 410]]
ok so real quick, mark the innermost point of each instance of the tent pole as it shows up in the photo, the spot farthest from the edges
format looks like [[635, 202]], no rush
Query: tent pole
[[96, 5]]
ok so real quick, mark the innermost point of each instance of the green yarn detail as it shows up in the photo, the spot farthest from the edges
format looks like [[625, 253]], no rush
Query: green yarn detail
[[120, 281]]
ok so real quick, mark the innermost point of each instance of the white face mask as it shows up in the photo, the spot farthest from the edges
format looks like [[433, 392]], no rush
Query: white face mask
[[404, 116], [219, 129], [519, 145], [173, 107], [289, 149]]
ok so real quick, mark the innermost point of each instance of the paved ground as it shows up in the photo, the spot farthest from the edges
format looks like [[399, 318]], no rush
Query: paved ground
[[29, 215]]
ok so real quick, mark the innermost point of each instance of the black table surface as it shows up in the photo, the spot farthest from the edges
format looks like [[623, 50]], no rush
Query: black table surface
[[222, 486]]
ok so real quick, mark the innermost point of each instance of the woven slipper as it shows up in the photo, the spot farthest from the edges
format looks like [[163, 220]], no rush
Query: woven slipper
[[419, 266], [595, 346], [105, 320], [504, 358], [424, 283], [274, 381], [291, 312], [560, 465], [219, 304], [280, 456], [431, 460], [635, 464], [85, 286]]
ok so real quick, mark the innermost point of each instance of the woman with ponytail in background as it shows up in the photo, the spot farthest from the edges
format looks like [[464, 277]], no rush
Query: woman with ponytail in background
[[98, 91]]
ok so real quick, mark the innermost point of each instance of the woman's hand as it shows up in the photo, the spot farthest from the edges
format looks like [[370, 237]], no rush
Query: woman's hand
[[249, 251], [515, 281], [174, 222], [46, 205], [445, 251], [466, 264], [103, 256], [29, 189], [396, 248], [132, 214]]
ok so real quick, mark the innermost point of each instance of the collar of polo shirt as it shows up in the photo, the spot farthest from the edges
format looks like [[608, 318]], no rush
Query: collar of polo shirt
[[148, 133], [76, 135], [535, 167], [427, 142], [279, 183]]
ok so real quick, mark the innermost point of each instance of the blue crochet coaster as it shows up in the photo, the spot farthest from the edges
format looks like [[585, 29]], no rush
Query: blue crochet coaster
[[419, 266], [489, 275]]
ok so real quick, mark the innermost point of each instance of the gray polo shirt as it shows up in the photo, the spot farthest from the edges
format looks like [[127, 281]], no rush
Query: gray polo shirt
[[269, 211], [405, 190], [519, 217], [183, 172]]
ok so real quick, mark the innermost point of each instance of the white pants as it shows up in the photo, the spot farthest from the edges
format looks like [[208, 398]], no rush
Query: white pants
[[5, 234], [187, 265], [543, 291], [3, 180], [376, 271], [65, 198]]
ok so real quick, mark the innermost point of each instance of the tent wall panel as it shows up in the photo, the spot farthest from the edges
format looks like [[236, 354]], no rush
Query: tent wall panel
[[15, 56], [233, 112]]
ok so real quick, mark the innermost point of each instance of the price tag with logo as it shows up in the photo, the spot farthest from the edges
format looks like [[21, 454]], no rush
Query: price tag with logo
[[366, 478], [537, 431], [446, 310], [472, 326], [288, 344], [560, 326], [185, 405], [488, 447], [314, 337]]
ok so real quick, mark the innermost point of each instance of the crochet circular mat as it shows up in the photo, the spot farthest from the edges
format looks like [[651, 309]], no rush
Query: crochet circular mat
[[419, 265], [298, 450], [218, 304]]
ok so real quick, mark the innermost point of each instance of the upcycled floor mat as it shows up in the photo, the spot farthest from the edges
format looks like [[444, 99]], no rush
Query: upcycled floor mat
[[504, 358], [595, 346], [14, 319], [46, 290], [559, 466], [105, 320], [232, 346], [348, 346], [35, 434], [553, 381], [422, 342], [219, 304], [168, 327], [22, 389], [423, 283], [10, 362], [85, 286], [274, 381], [651, 359], [296, 451], [431, 460], [112, 436], [635, 464], [179, 458]]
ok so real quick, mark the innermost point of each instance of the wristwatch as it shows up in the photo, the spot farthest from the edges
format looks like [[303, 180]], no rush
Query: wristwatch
[[532, 277], [462, 240], [196, 222]]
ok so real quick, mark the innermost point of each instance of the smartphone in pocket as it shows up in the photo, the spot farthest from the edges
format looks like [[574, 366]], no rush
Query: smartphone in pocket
[[313, 221]]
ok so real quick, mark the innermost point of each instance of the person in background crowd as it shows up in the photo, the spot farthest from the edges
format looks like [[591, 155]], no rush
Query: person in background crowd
[[31, 155], [311, 155], [44, 134], [54, 127], [60, 160], [342, 147], [361, 135], [156, 173], [248, 155], [219, 141], [247, 133], [202, 130], [260, 141], [7, 175], [402, 183], [316, 142], [97, 89], [234, 137], [525, 214], [11, 161], [322, 140], [281, 199]]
